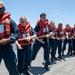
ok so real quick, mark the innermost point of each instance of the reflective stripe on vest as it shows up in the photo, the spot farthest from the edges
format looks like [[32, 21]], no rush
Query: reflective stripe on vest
[[25, 32], [5, 30], [44, 28]]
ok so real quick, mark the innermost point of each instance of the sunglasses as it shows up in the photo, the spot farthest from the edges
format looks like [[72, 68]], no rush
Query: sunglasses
[[1, 8]]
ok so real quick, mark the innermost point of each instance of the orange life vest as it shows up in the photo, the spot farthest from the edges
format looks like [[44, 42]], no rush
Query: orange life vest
[[54, 31], [25, 32], [69, 31], [73, 30], [44, 28], [5, 30], [60, 32]]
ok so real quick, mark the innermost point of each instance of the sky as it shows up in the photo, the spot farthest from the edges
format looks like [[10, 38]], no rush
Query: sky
[[60, 11]]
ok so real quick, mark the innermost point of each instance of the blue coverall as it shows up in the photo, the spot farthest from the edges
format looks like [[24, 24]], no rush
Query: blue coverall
[[7, 53], [37, 45], [25, 56]]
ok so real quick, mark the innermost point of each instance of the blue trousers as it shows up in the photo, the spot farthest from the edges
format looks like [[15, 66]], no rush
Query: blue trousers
[[36, 47], [24, 58], [70, 45], [74, 46], [9, 57], [58, 43], [64, 44], [52, 47]]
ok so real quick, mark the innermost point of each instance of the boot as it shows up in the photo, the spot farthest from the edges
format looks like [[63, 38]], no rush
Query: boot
[[59, 56], [26, 72], [29, 67], [68, 53], [49, 62], [71, 53], [54, 57], [46, 66], [62, 53]]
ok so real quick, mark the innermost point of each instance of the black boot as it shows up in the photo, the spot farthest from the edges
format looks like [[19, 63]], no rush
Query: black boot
[[71, 53], [46, 66], [26, 72], [52, 58], [59, 56], [29, 67], [62, 53], [49, 62], [68, 53]]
